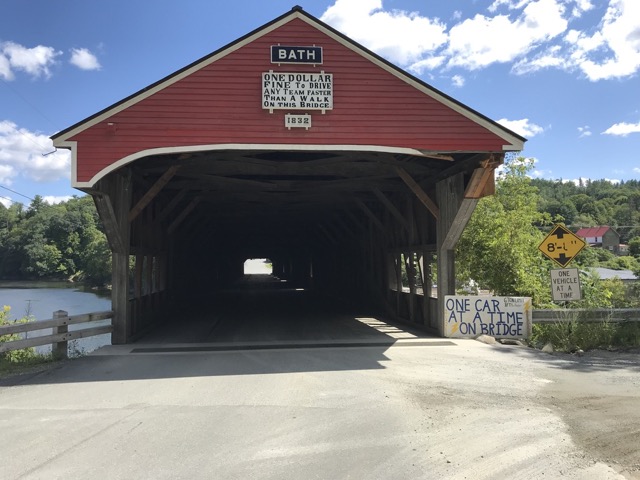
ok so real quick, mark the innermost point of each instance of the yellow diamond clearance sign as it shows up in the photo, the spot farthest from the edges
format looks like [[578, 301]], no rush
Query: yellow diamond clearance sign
[[561, 245]]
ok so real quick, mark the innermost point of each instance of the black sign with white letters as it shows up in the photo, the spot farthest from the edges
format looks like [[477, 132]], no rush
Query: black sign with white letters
[[282, 54]]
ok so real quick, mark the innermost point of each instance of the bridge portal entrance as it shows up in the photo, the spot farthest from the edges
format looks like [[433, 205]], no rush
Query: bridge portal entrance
[[296, 144]]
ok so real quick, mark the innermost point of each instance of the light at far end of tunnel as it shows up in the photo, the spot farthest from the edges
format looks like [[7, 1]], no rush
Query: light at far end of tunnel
[[258, 266]]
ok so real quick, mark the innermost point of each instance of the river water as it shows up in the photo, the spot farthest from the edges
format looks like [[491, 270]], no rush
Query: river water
[[40, 299]]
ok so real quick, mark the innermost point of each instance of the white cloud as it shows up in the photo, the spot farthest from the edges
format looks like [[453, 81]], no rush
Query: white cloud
[[458, 81], [84, 59], [7, 172], [52, 200], [584, 131], [581, 7], [528, 162], [614, 50], [578, 181], [523, 127], [636, 170], [550, 58], [585, 180], [429, 63], [5, 67], [481, 41], [622, 129], [540, 173], [21, 154], [529, 34], [402, 37], [511, 5], [6, 201], [36, 61]]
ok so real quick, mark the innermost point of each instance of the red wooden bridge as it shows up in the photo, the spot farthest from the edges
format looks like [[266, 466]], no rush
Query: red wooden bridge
[[292, 143]]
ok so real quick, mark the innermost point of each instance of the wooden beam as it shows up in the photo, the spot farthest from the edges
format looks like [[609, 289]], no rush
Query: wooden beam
[[121, 186], [370, 214], [482, 181], [438, 156], [172, 205], [180, 218], [456, 212], [419, 192], [392, 208], [207, 180], [153, 192], [109, 221], [459, 166], [460, 220], [328, 235], [354, 219], [413, 248], [339, 234]]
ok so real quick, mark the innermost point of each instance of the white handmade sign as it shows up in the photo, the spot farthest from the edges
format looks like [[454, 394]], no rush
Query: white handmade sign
[[500, 317], [297, 91]]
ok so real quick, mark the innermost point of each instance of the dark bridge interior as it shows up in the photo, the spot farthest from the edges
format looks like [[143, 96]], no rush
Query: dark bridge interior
[[303, 210], [358, 226]]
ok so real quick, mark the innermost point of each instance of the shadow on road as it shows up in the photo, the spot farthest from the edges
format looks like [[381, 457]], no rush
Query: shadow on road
[[250, 330]]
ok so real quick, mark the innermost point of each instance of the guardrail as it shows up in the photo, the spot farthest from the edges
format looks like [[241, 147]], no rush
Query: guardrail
[[587, 315], [60, 335]]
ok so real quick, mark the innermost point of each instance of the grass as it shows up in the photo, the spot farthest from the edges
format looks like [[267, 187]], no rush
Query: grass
[[32, 364], [577, 335]]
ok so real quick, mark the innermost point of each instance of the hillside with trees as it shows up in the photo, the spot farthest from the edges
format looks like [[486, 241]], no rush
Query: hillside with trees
[[590, 203], [498, 250], [62, 241]]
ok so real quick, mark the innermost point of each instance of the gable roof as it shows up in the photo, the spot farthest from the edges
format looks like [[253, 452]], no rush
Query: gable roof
[[594, 231], [513, 141]]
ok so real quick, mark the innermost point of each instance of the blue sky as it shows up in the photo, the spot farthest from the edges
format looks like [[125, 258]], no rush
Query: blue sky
[[563, 73]]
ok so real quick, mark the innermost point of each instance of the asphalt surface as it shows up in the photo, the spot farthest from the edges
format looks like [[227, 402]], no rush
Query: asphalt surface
[[289, 387]]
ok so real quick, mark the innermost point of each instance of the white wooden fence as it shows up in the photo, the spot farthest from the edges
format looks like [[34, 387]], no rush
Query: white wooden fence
[[60, 335], [61, 320]]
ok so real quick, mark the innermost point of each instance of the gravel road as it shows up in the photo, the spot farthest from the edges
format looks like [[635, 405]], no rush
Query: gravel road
[[422, 408]]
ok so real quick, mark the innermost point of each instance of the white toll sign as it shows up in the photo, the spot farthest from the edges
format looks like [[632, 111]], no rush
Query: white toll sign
[[565, 285], [297, 91], [500, 317]]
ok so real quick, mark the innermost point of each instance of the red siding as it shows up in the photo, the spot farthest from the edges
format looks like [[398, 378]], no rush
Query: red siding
[[221, 103]]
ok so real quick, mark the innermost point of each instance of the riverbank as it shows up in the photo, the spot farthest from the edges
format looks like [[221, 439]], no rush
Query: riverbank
[[16, 373]]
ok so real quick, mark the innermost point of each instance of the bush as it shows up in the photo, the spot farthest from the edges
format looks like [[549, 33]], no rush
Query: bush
[[24, 355], [580, 335]]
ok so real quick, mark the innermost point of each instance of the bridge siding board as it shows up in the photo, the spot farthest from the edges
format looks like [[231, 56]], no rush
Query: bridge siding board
[[221, 103]]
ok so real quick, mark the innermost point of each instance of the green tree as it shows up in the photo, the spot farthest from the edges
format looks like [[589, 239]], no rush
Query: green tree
[[499, 246], [96, 259], [53, 241]]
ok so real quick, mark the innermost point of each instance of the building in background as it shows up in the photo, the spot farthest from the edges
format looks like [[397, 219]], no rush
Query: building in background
[[602, 237]]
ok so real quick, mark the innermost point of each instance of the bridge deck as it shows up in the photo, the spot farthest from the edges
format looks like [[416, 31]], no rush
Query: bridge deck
[[261, 310]]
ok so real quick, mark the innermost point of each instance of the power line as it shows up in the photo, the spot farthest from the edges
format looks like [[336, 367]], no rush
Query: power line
[[17, 193], [7, 198], [24, 99]]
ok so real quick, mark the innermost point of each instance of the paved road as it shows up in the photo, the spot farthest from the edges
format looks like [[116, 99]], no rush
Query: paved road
[[378, 403]]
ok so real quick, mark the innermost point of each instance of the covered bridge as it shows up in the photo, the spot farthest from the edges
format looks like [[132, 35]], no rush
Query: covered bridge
[[292, 143]]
